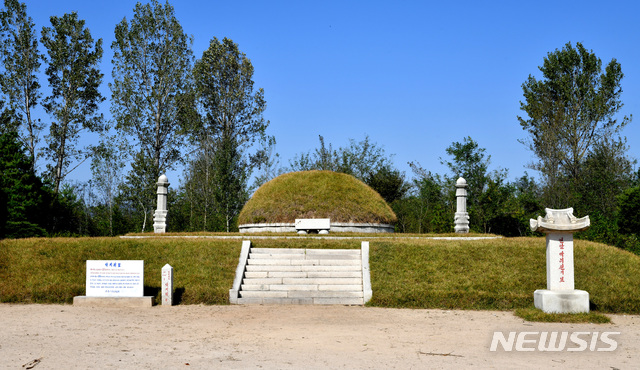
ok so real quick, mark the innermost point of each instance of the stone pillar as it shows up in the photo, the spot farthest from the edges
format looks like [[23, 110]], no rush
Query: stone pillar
[[160, 216], [560, 295], [167, 285], [461, 219]]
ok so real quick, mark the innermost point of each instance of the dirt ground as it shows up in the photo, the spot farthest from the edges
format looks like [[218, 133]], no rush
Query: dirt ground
[[288, 337]]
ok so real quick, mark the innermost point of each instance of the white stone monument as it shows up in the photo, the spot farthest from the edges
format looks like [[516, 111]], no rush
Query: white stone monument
[[560, 295], [167, 285], [461, 219], [160, 216]]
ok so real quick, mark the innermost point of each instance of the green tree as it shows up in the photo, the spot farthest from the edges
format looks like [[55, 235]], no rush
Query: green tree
[[70, 212], [24, 199], [21, 61], [629, 211], [605, 174], [491, 201], [359, 159], [388, 182], [138, 192], [267, 162], [231, 176], [232, 120], [199, 192], [497, 208], [571, 110], [8, 118], [152, 65], [322, 158], [628, 220], [528, 196], [433, 207], [427, 208], [74, 78], [470, 162], [106, 167]]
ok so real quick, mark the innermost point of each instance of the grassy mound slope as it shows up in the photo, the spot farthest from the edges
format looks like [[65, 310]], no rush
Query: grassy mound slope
[[53, 270], [316, 194], [497, 274]]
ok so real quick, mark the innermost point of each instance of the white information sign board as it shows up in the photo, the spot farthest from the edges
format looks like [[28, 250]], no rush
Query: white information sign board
[[112, 278]]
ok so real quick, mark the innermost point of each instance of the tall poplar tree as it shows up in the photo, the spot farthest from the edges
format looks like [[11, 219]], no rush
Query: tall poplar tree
[[74, 78], [21, 61], [152, 65], [571, 111], [231, 122], [106, 168]]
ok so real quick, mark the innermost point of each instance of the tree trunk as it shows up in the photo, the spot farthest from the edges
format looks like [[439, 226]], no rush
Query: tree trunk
[[59, 163]]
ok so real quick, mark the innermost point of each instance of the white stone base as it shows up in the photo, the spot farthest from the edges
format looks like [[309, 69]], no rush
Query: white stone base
[[461, 222], [160, 221], [566, 301], [84, 301]]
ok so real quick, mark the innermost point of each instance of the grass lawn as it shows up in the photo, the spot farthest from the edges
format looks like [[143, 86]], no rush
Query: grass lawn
[[497, 274]]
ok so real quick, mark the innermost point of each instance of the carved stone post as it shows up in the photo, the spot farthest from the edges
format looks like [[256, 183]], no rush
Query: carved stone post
[[560, 295], [160, 216], [461, 219], [167, 285]]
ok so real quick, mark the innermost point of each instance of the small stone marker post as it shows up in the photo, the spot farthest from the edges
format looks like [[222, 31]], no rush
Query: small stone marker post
[[160, 216], [461, 219], [167, 285], [560, 295]]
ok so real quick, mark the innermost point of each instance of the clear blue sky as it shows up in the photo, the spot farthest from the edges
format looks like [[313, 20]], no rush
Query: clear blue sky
[[413, 75]]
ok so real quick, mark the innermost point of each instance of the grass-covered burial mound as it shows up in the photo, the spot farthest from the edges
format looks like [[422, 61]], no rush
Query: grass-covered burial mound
[[316, 194]]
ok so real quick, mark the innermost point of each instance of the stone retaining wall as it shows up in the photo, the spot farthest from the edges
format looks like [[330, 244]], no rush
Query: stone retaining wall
[[337, 227]]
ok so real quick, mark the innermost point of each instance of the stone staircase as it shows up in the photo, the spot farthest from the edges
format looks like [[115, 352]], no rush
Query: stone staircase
[[302, 276]]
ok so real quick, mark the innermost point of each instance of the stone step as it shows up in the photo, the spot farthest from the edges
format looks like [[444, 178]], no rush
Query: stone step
[[305, 251], [277, 256], [297, 256], [259, 300], [302, 274], [300, 294], [262, 294], [304, 262], [335, 274], [341, 300], [277, 250], [334, 251], [337, 301], [306, 287], [300, 287], [302, 281], [303, 268], [325, 294]]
